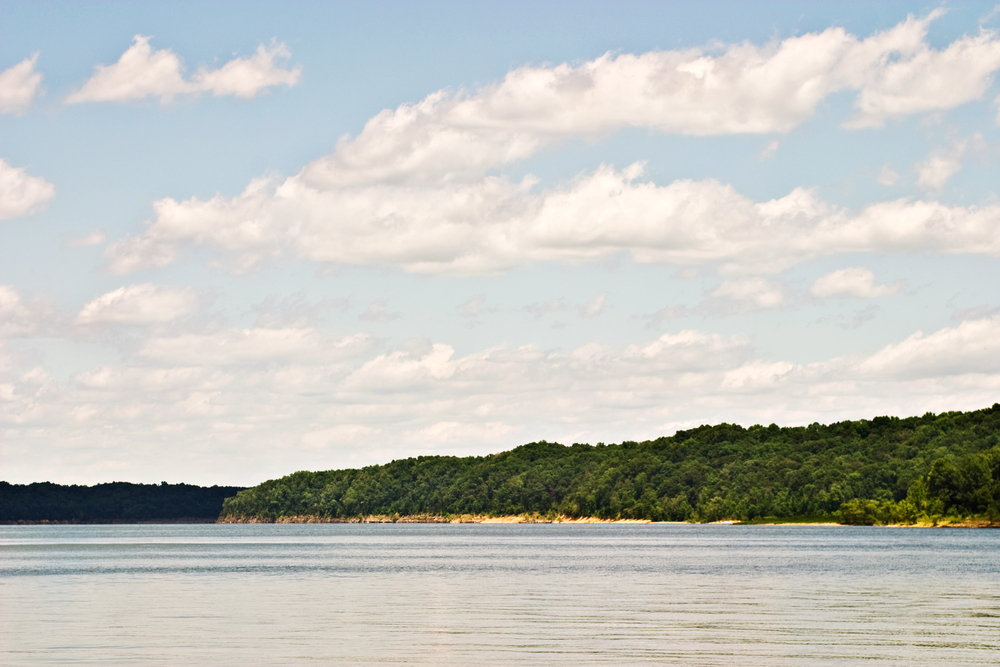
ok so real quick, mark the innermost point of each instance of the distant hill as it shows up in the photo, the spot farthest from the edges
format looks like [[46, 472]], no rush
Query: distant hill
[[111, 503], [881, 470]]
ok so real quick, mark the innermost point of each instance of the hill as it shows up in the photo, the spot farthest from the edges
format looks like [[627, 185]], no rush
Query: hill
[[887, 469]]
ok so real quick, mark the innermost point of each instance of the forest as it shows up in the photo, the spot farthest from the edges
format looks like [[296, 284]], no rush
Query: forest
[[110, 503], [878, 471]]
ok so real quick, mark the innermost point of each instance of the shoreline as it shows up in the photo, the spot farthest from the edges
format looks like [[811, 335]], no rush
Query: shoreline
[[529, 519], [944, 522], [432, 518]]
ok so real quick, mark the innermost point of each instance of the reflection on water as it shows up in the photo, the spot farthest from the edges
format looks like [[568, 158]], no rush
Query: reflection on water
[[498, 594]]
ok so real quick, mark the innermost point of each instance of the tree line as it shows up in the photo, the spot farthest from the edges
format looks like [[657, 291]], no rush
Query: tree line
[[112, 502], [882, 470]]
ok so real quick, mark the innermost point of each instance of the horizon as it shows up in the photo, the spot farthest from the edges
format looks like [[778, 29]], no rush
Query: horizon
[[330, 235]]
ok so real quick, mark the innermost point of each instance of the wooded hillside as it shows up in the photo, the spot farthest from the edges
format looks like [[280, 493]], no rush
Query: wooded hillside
[[881, 470]]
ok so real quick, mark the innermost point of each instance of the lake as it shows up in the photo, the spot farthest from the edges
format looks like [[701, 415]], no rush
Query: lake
[[481, 594]]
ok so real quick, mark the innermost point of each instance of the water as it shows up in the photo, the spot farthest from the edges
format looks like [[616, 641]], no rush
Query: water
[[498, 595]]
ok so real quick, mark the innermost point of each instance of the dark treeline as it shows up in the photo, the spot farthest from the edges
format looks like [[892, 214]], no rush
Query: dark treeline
[[883, 470], [117, 501]]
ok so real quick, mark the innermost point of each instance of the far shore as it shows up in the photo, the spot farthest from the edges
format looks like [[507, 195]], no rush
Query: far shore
[[531, 518], [944, 522], [431, 518]]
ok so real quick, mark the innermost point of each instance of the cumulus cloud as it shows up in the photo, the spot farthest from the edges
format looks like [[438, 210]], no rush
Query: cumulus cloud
[[973, 347], [413, 188], [493, 225], [139, 304], [19, 85], [21, 194], [144, 72], [899, 74], [344, 400], [245, 77], [743, 88], [855, 281]]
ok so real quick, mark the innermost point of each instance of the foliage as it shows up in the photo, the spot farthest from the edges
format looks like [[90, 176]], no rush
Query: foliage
[[968, 487], [881, 470], [116, 501]]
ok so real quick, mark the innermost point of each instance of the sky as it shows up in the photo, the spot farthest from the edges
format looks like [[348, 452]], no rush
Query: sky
[[239, 240]]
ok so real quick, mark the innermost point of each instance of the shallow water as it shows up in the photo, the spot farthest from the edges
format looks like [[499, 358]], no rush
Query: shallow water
[[479, 594]]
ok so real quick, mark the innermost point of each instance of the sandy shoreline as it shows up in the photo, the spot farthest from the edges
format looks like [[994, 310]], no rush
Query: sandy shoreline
[[509, 520], [524, 519], [428, 518]]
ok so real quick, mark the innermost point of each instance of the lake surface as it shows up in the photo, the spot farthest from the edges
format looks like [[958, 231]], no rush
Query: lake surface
[[331, 594]]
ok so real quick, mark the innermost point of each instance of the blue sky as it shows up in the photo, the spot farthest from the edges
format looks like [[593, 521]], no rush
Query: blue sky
[[242, 240]]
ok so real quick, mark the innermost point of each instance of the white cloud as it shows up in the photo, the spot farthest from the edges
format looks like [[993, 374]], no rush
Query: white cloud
[[757, 375], [143, 72], [751, 293], [940, 166], [855, 281], [21, 194], [19, 85], [971, 347], [594, 307], [399, 370], [245, 77], [937, 170], [448, 137], [902, 75], [140, 72], [887, 176], [139, 304], [411, 189], [494, 225]]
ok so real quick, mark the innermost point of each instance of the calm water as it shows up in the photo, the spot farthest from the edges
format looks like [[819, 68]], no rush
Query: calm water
[[498, 594]]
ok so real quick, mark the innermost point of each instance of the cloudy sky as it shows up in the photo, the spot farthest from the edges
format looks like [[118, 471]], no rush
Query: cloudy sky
[[239, 240]]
